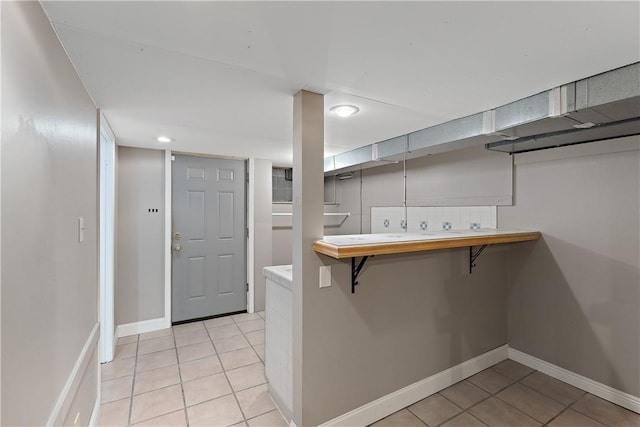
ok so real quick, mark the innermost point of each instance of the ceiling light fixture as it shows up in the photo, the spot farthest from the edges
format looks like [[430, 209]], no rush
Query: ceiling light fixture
[[344, 110], [164, 139]]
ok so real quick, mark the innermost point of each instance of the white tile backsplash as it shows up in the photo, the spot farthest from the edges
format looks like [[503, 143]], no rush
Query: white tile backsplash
[[390, 219], [387, 219]]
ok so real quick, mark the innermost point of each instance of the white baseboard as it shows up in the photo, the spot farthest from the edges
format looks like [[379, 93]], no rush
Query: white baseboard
[[598, 389], [70, 389], [387, 405], [95, 414], [141, 327]]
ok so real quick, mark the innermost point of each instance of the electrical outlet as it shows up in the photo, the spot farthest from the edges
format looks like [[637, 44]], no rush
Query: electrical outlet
[[325, 276]]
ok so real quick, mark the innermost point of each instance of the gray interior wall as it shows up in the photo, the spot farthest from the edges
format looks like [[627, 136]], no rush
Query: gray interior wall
[[49, 180], [468, 177], [412, 316], [85, 396], [139, 288], [574, 297], [282, 235], [472, 176], [262, 225]]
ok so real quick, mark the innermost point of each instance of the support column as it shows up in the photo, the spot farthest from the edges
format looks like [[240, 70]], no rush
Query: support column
[[308, 201]]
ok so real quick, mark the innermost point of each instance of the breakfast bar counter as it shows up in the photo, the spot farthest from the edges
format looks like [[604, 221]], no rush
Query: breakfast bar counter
[[369, 245], [356, 245]]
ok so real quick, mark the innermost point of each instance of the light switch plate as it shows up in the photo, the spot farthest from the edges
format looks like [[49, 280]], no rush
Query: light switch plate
[[325, 276], [81, 229]]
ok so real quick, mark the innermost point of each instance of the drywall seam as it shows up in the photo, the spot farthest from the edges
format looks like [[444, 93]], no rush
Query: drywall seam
[[604, 391], [141, 327], [59, 412], [399, 399]]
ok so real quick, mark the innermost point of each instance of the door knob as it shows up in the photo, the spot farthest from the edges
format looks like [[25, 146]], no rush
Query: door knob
[[177, 248]]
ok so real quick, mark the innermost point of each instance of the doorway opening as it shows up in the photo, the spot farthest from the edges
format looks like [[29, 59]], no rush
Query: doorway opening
[[107, 158]]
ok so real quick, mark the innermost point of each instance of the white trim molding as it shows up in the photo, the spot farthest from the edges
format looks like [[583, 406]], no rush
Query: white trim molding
[[393, 402], [598, 389], [95, 414], [141, 327], [70, 389], [168, 229], [251, 209]]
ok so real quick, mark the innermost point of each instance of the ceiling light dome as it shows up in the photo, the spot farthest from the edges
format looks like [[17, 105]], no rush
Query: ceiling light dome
[[164, 139], [344, 110]]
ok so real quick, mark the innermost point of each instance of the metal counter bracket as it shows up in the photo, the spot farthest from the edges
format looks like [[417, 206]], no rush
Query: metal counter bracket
[[473, 256], [355, 271]]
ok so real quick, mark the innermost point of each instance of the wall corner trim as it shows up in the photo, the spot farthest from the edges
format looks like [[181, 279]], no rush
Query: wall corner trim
[[142, 327], [399, 399], [70, 388], [604, 391]]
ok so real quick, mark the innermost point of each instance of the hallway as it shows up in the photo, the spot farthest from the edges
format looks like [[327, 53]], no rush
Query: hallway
[[201, 373]]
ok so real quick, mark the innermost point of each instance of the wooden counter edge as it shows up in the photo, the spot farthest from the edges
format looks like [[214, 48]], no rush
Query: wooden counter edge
[[339, 252]]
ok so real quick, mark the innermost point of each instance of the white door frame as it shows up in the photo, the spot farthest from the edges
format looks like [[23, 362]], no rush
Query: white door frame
[[107, 159], [168, 259]]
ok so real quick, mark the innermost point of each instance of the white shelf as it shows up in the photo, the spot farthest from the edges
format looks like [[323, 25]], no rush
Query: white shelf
[[325, 214]]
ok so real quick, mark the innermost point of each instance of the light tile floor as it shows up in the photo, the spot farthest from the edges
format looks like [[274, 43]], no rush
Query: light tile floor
[[208, 373], [512, 395], [211, 373]]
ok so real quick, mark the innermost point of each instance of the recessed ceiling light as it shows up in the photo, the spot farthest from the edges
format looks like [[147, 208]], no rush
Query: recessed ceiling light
[[164, 139], [344, 110]]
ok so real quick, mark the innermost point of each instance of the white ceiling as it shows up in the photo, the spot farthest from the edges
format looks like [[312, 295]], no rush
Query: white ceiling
[[219, 77]]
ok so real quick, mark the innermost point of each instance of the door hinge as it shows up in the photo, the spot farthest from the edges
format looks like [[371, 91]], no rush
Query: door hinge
[[247, 232], [247, 287]]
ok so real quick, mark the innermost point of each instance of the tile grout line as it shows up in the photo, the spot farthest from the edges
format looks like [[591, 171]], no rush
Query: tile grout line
[[504, 388], [566, 406], [159, 388], [489, 396], [184, 399], [519, 410], [455, 404], [582, 413], [175, 348], [546, 395], [411, 412], [259, 361], [518, 382], [224, 371], [133, 380]]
